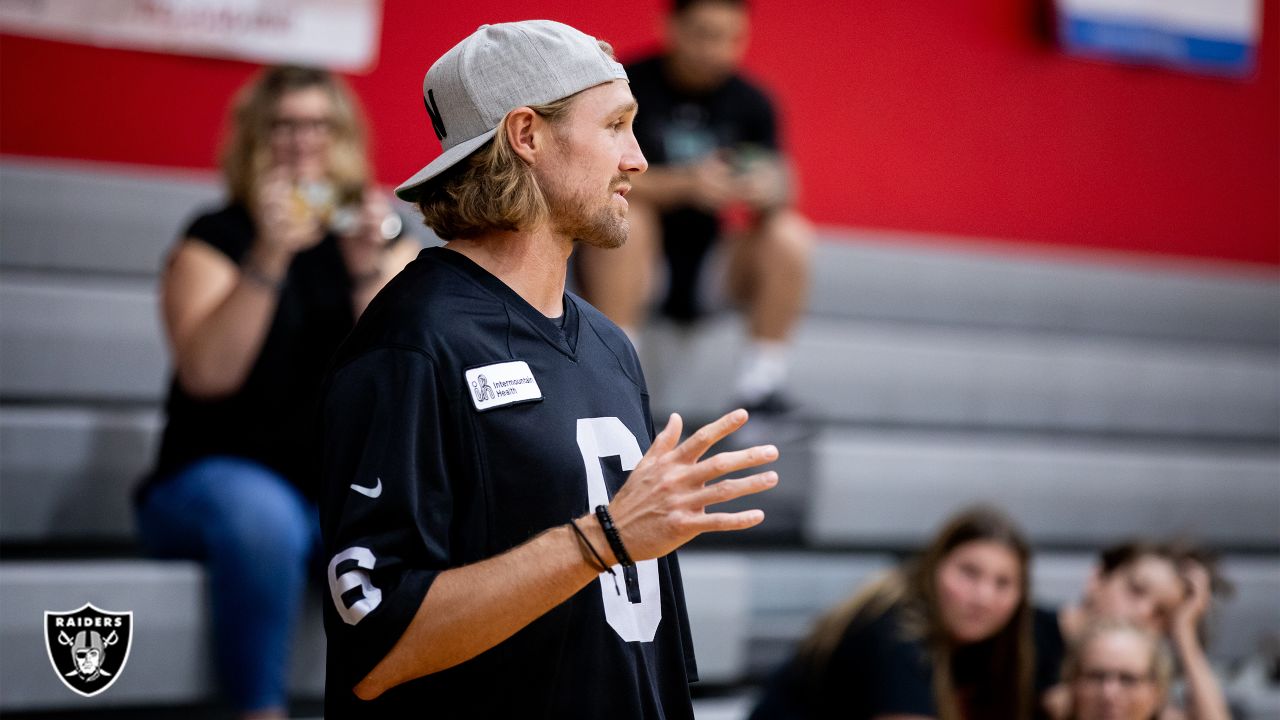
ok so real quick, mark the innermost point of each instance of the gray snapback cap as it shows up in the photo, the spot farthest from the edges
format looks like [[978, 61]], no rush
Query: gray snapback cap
[[497, 69]]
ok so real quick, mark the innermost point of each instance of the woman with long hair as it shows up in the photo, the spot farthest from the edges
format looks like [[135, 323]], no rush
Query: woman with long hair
[[256, 296], [948, 636]]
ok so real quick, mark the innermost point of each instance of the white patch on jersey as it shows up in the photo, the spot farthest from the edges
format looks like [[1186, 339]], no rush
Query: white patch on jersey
[[501, 384], [370, 492]]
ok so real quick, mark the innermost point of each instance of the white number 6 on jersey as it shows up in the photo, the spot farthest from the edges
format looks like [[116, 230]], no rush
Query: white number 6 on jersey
[[356, 577], [600, 438]]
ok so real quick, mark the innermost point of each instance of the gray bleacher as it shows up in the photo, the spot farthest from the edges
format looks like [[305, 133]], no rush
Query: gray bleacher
[[1096, 400]]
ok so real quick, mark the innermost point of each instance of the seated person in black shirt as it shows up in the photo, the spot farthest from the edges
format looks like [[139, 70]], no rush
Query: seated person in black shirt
[[948, 636], [1117, 671], [715, 172], [256, 297], [1164, 587]]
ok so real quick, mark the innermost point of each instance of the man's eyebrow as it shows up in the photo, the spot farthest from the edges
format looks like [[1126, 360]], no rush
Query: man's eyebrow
[[625, 108]]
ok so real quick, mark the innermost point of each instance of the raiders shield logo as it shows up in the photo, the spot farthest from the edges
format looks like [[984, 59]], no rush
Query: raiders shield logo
[[88, 647]]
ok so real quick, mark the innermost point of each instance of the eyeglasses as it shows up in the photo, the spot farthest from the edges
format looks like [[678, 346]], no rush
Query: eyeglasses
[[301, 125], [1127, 681]]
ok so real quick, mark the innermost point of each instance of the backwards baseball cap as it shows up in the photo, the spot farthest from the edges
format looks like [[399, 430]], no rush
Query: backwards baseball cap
[[497, 69]]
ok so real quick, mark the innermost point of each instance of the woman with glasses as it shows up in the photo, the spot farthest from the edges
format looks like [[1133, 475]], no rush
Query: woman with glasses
[[1117, 671], [256, 296]]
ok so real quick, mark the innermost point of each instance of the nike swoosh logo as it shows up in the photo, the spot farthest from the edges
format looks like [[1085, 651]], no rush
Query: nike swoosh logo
[[372, 492]]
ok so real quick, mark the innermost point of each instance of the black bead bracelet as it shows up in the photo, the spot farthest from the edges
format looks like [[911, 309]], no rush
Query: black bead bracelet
[[611, 534]]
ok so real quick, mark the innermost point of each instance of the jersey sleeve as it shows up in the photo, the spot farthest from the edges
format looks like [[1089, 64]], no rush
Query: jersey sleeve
[[386, 502]]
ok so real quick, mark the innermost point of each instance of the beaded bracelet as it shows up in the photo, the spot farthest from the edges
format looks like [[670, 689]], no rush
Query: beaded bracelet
[[611, 534]]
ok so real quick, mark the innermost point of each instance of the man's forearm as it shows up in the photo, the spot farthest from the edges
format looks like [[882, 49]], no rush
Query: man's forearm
[[470, 609], [660, 507]]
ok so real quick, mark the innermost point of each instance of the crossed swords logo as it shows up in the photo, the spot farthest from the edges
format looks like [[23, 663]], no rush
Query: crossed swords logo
[[89, 647]]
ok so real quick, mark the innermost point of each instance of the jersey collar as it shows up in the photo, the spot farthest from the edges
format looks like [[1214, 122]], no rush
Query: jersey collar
[[565, 341]]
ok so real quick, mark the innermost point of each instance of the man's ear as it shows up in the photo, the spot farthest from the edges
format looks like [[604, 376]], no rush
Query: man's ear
[[521, 126]]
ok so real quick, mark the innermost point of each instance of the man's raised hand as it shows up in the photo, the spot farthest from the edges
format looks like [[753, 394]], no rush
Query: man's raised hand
[[663, 503]]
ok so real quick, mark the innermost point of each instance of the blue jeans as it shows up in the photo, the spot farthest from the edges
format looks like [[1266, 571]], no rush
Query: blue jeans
[[256, 535]]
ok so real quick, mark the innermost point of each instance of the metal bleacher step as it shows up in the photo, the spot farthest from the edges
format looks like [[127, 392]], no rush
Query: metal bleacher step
[[69, 471], [80, 339], [873, 372], [893, 488], [902, 277]]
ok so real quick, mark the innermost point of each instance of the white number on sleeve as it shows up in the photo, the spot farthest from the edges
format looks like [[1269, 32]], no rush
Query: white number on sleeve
[[357, 577]]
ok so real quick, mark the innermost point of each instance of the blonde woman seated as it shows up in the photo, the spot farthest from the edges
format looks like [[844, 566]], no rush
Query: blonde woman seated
[[256, 297], [1117, 670]]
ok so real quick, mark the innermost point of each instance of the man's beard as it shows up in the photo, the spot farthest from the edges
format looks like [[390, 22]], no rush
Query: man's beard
[[572, 215]]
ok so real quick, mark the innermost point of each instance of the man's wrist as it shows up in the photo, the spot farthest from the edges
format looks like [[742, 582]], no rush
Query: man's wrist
[[590, 527], [613, 537]]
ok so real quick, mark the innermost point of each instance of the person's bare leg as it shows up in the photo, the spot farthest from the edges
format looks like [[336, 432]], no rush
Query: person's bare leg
[[619, 282], [769, 275]]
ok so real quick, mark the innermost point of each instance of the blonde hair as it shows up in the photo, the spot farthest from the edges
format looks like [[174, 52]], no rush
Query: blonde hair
[[1159, 660], [913, 589], [246, 152], [493, 189]]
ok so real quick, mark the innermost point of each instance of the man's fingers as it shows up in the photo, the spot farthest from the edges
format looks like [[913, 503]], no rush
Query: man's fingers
[[733, 461], [720, 522], [711, 433], [670, 435], [735, 488]]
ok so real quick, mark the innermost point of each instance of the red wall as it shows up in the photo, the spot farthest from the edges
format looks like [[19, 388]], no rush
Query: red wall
[[951, 116]]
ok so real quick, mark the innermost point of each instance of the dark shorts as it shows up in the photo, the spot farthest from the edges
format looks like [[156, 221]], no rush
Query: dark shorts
[[687, 237]]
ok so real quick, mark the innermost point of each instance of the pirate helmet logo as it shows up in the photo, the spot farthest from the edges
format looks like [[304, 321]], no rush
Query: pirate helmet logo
[[88, 647]]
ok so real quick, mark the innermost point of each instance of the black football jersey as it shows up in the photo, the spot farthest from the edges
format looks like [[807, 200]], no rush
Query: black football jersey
[[457, 423]]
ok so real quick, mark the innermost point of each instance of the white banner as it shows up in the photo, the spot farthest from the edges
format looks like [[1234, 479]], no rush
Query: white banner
[[1207, 36], [338, 34]]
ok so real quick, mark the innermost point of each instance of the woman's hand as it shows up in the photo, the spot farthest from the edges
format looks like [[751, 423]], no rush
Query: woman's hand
[[364, 243], [286, 224], [1185, 618]]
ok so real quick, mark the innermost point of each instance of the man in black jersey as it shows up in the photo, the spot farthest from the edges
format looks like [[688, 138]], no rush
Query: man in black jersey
[[499, 518], [718, 176]]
